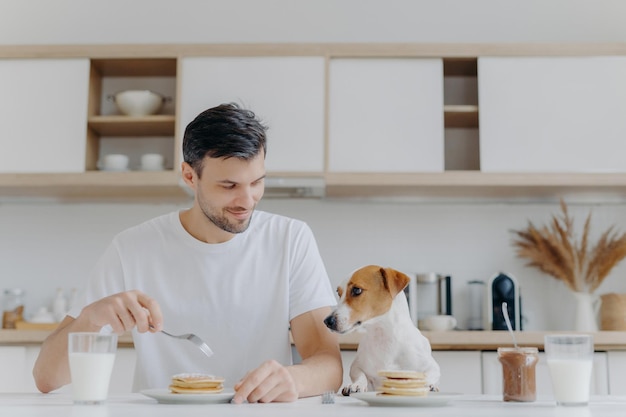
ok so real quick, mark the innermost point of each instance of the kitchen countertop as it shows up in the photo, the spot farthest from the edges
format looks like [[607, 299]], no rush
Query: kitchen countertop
[[449, 340], [57, 405]]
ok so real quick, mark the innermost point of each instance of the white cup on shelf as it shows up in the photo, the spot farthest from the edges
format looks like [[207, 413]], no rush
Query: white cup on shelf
[[114, 162], [152, 162]]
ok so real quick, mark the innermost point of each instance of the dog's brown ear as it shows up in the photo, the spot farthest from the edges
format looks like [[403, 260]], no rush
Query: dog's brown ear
[[339, 291], [395, 281]]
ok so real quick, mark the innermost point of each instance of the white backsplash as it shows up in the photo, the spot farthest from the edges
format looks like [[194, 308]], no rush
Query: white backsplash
[[44, 246]]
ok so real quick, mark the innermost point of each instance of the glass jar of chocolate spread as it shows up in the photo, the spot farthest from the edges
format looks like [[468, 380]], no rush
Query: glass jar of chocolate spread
[[518, 373]]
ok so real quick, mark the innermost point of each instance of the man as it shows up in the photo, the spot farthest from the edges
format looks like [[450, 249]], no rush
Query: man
[[236, 277]]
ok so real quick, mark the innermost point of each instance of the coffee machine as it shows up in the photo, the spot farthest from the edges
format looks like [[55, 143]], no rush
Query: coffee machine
[[429, 294], [501, 288]]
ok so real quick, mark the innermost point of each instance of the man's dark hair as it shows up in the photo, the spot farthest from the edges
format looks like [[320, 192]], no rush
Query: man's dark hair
[[225, 131]]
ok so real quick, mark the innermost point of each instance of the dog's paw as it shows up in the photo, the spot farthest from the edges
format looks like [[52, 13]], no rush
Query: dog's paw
[[350, 389]]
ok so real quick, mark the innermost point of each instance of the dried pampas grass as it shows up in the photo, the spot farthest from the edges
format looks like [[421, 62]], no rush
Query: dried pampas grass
[[555, 250]]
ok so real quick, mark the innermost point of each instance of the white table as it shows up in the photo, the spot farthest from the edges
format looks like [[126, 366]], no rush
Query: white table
[[137, 405]]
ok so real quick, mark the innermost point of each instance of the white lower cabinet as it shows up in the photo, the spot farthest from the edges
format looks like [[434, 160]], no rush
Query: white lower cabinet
[[123, 374], [16, 370], [466, 372], [347, 357], [492, 375], [617, 372], [460, 370], [12, 375]]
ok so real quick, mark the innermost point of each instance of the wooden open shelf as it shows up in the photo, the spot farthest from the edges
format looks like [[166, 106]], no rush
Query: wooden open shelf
[[97, 185], [462, 116], [157, 125], [475, 184], [135, 67]]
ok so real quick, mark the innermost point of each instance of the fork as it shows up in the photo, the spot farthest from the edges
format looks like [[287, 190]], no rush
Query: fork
[[193, 339], [328, 397]]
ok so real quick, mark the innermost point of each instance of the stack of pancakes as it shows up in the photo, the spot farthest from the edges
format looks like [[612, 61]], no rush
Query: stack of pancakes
[[403, 383], [196, 384]]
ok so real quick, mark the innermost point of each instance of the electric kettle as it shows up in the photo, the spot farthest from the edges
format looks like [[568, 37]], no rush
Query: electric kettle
[[429, 294]]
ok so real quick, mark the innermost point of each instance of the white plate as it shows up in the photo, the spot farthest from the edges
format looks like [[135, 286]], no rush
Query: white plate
[[433, 399], [165, 396]]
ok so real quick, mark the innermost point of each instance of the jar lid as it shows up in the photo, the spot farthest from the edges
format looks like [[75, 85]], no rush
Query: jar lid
[[519, 349]]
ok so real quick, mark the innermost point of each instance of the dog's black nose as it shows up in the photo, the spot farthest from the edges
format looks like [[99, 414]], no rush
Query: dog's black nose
[[331, 322]]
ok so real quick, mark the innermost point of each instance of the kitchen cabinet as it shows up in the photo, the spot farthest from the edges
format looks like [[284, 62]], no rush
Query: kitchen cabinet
[[111, 132], [43, 109], [12, 366], [286, 93], [59, 153], [492, 374], [552, 114], [16, 365], [347, 357], [460, 370], [460, 106], [386, 115], [467, 359], [616, 361], [329, 103]]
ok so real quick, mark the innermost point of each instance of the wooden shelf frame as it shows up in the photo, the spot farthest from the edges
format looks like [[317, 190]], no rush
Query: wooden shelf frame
[[99, 125], [477, 185], [130, 186], [116, 125]]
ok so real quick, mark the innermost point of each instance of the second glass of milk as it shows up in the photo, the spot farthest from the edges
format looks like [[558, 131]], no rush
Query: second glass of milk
[[570, 362]]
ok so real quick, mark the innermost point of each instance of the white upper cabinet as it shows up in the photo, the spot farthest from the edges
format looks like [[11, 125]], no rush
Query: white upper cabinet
[[552, 114], [43, 115], [386, 115], [287, 93]]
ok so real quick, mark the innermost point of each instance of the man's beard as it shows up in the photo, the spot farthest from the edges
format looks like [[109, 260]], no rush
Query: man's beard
[[225, 224]]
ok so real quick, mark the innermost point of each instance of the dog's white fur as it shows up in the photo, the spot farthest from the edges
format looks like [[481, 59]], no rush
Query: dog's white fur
[[391, 340]]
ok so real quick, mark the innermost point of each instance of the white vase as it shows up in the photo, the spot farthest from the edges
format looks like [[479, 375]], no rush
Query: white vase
[[586, 317]]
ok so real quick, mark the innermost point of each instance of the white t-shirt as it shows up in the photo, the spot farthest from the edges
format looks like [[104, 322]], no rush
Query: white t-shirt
[[239, 296]]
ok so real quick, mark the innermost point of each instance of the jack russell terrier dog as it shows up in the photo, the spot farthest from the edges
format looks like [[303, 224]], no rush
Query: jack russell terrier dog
[[373, 298]]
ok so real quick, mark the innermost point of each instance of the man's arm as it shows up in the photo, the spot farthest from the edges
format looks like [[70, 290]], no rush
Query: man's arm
[[51, 370], [321, 367], [121, 311], [320, 370]]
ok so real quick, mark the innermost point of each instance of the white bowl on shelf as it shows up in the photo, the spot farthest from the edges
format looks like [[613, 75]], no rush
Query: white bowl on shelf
[[138, 102], [114, 162]]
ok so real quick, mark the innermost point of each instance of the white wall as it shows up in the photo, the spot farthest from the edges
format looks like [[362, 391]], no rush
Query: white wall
[[156, 21], [46, 245]]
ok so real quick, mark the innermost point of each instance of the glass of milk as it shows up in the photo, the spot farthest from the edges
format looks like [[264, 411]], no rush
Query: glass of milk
[[570, 361], [91, 357]]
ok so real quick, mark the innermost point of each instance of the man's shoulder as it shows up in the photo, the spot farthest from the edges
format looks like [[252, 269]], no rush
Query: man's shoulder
[[148, 228]]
